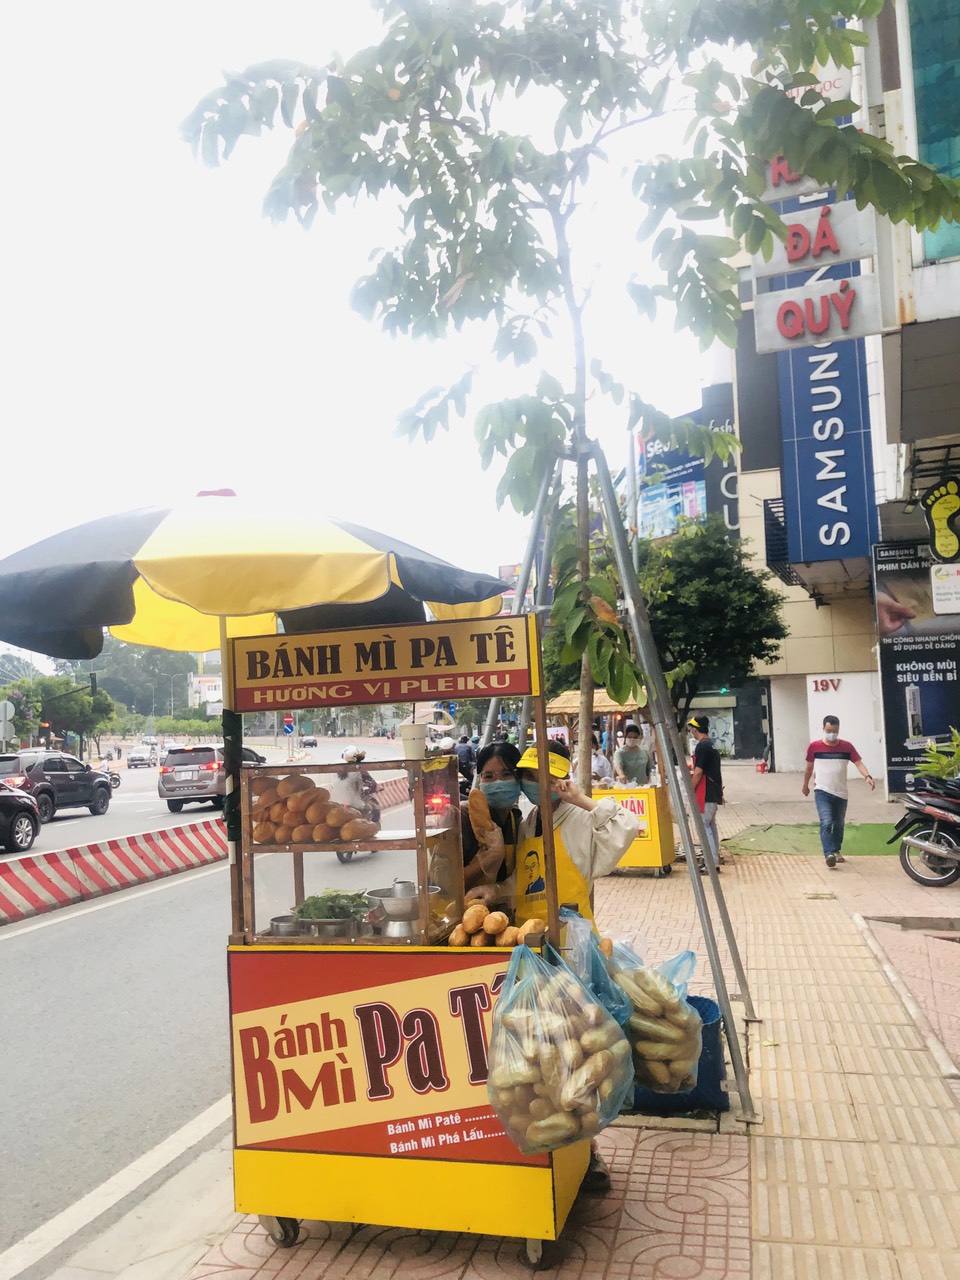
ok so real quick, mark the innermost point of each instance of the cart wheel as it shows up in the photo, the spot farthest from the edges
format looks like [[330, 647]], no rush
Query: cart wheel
[[345, 855], [667, 870], [534, 1252], [282, 1231]]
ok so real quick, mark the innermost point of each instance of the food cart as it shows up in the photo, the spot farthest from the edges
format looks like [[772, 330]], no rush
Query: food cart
[[654, 846], [360, 1048]]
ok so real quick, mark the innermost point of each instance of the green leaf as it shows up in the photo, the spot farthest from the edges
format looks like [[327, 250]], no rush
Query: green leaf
[[289, 97]]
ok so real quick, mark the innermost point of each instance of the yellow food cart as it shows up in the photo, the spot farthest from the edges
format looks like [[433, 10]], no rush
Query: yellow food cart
[[654, 846], [359, 1048]]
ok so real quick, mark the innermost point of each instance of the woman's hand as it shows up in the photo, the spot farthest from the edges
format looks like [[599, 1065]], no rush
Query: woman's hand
[[568, 791], [491, 853], [482, 893]]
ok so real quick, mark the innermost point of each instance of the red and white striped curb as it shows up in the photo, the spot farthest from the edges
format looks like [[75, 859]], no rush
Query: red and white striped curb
[[34, 883]]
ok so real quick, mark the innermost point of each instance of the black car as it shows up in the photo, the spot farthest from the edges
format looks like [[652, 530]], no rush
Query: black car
[[308, 741], [56, 781], [19, 819]]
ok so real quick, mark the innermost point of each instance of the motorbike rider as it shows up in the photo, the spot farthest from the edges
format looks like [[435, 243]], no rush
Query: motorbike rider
[[360, 782], [466, 757]]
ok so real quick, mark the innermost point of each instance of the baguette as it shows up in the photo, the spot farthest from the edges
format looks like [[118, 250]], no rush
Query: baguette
[[479, 813]]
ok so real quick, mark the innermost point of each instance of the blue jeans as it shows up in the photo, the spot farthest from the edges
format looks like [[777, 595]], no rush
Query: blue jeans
[[710, 824], [831, 810]]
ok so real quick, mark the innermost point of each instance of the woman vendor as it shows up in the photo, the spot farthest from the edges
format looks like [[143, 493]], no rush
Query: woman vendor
[[497, 778], [590, 838]]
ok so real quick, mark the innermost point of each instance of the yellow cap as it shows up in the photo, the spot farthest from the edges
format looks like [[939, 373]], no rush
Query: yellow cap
[[557, 765]]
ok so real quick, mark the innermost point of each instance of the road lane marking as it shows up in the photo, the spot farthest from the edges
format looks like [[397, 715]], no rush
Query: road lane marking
[[28, 1251], [132, 893]]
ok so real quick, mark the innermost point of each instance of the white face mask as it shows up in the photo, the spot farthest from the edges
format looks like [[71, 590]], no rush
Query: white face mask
[[830, 736]]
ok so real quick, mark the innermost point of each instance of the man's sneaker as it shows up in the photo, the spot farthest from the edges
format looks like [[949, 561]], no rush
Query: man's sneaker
[[841, 858], [831, 859]]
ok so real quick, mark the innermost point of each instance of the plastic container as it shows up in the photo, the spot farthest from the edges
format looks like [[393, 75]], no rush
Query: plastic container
[[709, 1094]]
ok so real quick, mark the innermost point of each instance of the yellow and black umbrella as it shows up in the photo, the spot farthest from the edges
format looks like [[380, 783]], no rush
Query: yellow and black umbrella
[[167, 576]]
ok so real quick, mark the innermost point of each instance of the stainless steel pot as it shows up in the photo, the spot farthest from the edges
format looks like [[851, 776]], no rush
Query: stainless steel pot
[[284, 926], [327, 928]]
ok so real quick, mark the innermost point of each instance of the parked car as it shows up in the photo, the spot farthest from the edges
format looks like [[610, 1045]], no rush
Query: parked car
[[19, 819], [192, 775], [308, 741], [56, 781], [141, 757]]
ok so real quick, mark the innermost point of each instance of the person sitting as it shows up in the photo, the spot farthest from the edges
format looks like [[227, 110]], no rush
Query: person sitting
[[466, 758], [600, 770], [497, 779]]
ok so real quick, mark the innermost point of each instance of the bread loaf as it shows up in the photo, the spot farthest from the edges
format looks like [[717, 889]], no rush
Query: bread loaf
[[479, 813]]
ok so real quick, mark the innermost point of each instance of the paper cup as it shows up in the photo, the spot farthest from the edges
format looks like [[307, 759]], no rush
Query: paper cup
[[414, 739]]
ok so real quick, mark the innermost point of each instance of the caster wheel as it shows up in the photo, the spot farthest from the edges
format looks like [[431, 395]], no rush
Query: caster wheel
[[534, 1252], [345, 857], [667, 870], [284, 1232]]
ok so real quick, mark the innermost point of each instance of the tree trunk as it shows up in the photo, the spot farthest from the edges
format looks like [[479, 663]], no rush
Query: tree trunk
[[586, 675]]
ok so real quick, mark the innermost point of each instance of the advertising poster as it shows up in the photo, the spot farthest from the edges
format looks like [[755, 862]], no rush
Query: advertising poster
[[329, 1057], [919, 654], [672, 485]]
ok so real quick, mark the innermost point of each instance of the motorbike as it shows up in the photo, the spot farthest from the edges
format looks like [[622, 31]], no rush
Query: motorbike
[[929, 833], [114, 779]]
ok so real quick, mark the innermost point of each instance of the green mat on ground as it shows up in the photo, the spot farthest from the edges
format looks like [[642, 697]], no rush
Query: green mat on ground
[[868, 839]]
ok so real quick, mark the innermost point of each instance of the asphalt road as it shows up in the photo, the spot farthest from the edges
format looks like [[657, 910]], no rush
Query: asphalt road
[[115, 1013]]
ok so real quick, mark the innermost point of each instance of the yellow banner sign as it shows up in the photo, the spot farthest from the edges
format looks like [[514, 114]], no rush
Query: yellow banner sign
[[421, 662]]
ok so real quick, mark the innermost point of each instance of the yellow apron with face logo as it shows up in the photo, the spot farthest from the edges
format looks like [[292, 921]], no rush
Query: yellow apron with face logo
[[531, 887]]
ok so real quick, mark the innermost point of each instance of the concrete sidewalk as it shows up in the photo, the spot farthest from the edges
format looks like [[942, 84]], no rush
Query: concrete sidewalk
[[854, 1169]]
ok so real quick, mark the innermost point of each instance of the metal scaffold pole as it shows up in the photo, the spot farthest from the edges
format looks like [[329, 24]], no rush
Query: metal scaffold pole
[[680, 784]]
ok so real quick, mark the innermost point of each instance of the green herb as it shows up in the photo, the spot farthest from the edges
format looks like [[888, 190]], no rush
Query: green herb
[[333, 905]]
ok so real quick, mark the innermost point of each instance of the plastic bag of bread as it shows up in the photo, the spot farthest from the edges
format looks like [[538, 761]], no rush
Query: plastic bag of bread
[[559, 1066], [581, 950], [664, 1030]]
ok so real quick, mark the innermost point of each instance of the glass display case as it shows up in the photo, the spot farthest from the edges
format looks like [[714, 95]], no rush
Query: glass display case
[[323, 859]]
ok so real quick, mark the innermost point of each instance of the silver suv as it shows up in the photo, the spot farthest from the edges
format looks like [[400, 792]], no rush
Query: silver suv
[[191, 775]]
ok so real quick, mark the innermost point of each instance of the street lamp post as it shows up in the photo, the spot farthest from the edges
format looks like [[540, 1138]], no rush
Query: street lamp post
[[153, 699], [171, 695]]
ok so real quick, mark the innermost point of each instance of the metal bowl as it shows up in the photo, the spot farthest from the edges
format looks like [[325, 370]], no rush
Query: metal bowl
[[404, 907], [324, 928], [284, 926]]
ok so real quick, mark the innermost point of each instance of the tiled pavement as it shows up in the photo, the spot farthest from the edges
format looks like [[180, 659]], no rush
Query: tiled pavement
[[853, 1172]]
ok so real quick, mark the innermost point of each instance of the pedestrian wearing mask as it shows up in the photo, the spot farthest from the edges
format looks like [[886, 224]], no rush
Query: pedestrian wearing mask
[[488, 863], [827, 761], [631, 763], [600, 770]]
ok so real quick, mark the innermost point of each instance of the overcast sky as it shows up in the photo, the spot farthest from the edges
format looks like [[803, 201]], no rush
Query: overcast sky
[[162, 337]]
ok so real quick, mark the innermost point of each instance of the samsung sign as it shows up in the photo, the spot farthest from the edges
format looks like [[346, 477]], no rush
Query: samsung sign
[[829, 504]]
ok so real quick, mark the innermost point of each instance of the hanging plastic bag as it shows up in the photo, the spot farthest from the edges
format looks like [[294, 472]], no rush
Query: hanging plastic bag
[[559, 1068], [581, 950], [664, 1030]]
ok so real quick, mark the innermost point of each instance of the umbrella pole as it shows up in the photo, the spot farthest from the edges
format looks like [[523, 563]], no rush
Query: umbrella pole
[[232, 736]]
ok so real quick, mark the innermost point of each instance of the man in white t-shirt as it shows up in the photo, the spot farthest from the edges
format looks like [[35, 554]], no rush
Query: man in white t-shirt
[[827, 761]]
